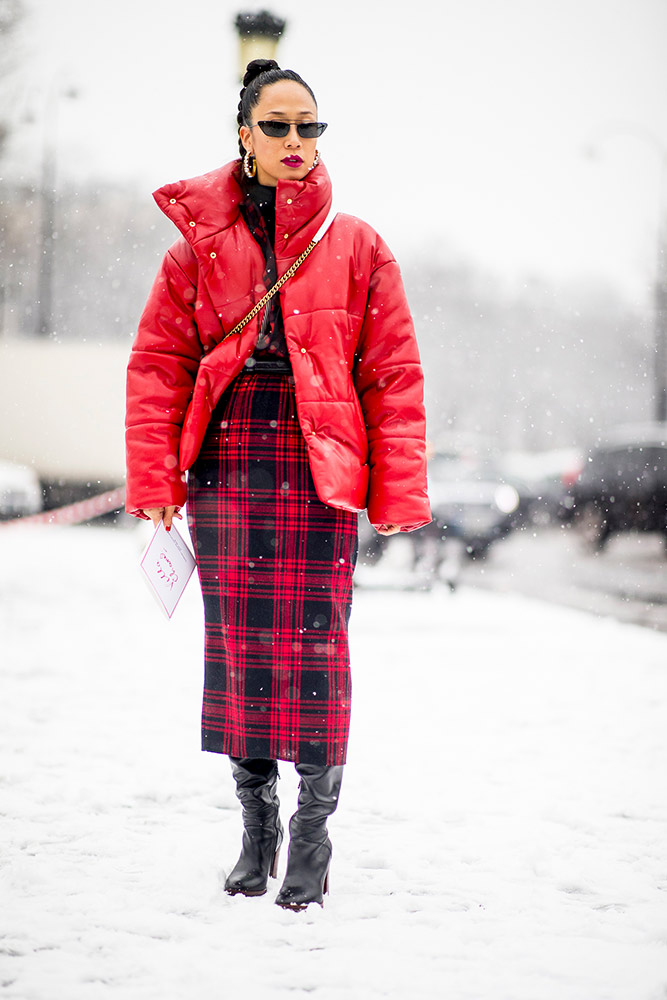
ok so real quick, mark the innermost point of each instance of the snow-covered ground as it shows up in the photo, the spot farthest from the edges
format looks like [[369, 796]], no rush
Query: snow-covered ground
[[501, 834]]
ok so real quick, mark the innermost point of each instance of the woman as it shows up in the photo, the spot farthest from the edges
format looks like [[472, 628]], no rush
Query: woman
[[288, 427]]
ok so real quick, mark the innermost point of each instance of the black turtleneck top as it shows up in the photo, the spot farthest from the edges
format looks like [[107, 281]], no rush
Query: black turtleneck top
[[259, 211]]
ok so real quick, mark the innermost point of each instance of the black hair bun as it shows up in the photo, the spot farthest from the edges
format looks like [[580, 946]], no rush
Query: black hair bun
[[257, 66]]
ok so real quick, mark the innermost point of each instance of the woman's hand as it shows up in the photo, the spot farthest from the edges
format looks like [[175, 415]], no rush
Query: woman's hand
[[165, 514], [383, 529]]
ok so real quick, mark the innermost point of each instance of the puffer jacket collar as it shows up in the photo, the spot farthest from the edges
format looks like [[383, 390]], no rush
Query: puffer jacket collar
[[206, 206]]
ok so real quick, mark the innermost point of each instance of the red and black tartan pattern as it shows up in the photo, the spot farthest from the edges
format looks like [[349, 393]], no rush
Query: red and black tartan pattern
[[275, 565]]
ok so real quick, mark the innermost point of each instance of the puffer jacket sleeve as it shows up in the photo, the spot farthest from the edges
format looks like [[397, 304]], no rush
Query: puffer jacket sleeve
[[160, 378], [389, 382]]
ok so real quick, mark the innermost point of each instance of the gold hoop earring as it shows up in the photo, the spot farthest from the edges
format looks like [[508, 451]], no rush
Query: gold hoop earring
[[316, 160], [249, 170]]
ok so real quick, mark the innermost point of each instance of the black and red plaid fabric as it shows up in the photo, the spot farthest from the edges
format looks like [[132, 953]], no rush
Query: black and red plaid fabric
[[275, 565]]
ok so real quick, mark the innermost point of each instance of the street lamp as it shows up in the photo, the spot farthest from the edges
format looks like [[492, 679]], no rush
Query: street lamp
[[259, 34], [660, 281]]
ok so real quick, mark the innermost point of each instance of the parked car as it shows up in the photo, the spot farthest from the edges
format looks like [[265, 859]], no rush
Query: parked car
[[472, 508], [20, 491], [470, 501], [623, 485], [543, 480]]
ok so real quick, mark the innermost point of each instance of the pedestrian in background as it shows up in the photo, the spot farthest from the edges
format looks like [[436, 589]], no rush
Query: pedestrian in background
[[290, 425]]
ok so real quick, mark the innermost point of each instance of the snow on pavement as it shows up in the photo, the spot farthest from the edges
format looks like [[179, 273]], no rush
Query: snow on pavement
[[501, 832]]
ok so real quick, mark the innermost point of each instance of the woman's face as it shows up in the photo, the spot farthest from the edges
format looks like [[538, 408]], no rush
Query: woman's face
[[290, 157]]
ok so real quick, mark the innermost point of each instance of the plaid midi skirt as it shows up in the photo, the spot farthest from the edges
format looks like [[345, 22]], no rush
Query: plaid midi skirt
[[275, 566]]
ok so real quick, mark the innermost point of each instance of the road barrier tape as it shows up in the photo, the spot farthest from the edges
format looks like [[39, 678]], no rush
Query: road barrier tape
[[75, 513]]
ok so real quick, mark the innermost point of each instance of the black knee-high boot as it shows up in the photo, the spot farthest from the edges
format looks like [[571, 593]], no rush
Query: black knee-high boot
[[309, 857], [256, 788]]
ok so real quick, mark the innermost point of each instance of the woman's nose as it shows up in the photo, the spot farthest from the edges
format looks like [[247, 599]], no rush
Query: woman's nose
[[293, 138]]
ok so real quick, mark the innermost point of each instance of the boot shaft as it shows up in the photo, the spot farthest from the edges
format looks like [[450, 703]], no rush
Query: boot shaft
[[257, 791], [319, 790]]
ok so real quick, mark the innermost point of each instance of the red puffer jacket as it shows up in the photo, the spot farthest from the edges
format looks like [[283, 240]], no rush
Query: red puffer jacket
[[357, 375]]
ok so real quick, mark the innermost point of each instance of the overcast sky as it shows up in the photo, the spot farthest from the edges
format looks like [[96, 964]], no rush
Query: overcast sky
[[456, 129]]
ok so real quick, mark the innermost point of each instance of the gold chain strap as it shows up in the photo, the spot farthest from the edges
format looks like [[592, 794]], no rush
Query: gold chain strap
[[272, 291]]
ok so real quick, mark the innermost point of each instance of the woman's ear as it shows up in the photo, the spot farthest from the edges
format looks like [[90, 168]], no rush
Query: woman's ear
[[246, 136]]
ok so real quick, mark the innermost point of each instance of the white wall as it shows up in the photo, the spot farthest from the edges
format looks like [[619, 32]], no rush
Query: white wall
[[62, 408]]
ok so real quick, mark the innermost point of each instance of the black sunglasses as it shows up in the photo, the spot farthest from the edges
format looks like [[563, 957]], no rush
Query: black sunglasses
[[278, 130]]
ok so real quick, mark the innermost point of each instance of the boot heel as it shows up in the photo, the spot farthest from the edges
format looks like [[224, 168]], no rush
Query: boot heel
[[325, 890], [274, 867]]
